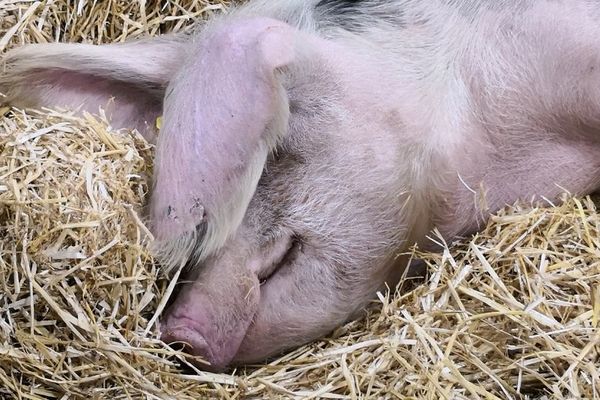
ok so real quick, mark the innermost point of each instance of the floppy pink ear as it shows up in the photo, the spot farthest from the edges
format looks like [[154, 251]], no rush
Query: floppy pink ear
[[225, 111], [127, 80]]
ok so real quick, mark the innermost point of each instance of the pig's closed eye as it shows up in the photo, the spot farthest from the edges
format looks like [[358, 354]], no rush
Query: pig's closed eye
[[285, 257]]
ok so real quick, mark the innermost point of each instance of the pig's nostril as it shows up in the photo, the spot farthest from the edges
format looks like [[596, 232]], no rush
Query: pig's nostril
[[178, 346], [186, 337], [188, 340]]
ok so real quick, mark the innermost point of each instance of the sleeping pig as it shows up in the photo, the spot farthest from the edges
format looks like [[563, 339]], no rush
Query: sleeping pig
[[307, 143]]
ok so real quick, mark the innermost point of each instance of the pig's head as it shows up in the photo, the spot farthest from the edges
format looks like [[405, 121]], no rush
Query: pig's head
[[279, 180], [278, 187]]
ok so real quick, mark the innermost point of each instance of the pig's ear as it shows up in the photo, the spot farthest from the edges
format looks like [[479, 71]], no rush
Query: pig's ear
[[225, 112], [127, 80]]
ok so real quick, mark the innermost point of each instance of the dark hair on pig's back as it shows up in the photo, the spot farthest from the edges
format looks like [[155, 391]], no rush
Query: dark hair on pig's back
[[358, 15]]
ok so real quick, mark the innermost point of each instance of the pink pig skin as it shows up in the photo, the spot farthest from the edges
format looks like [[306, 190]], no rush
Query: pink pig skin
[[307, 143]]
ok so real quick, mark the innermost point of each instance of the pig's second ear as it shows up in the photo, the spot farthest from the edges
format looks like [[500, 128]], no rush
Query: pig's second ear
[[126, 80]]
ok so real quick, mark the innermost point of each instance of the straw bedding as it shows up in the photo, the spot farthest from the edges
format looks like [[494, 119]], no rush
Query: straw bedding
[[510, 313]]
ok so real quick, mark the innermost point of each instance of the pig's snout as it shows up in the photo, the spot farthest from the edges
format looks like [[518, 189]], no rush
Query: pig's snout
[[210, 319], [188, 332]]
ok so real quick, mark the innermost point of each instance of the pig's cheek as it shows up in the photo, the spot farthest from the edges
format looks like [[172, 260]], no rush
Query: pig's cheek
[[297, 304]]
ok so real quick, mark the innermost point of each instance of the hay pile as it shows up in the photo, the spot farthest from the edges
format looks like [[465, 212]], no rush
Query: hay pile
[[512, 313]]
